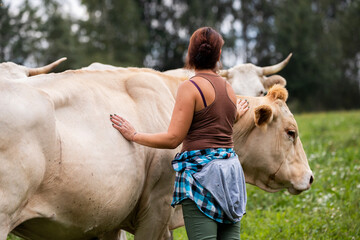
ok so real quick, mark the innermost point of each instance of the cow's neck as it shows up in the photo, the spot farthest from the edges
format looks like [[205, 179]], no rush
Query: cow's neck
[[244, 126]]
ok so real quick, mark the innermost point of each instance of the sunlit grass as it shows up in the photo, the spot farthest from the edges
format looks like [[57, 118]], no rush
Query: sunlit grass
[[331, 208]]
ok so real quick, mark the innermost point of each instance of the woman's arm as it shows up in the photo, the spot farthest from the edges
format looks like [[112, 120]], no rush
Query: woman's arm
[[179, 125]]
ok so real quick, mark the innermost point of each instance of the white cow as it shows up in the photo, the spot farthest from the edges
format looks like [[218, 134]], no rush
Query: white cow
[[66, 174], [246, 79]]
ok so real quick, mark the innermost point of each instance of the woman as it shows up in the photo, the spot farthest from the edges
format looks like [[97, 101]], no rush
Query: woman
[[209, 179]]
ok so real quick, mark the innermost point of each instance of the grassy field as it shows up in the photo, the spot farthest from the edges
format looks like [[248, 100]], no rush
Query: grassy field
[[331, 208]]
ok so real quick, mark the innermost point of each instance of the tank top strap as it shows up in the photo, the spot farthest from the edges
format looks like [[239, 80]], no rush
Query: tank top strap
[[201, 93]]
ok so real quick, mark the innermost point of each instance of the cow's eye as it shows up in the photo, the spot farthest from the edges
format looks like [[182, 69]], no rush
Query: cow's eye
[[291, 134], [262, 93]]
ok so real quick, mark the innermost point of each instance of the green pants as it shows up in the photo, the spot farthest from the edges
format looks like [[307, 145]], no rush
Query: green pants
[[200, 227]]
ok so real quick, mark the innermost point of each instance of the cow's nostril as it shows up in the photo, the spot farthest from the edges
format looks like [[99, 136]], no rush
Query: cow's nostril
[[311, 179]]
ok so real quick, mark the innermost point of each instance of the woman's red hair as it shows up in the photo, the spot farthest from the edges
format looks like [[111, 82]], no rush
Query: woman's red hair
[[204, 49]]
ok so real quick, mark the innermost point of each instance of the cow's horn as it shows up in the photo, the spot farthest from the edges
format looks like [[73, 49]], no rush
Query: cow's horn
[[45, 69], [277, 67]]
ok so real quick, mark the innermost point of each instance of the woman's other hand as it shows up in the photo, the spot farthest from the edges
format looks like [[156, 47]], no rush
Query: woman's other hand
[[123, 126], [242, 107]]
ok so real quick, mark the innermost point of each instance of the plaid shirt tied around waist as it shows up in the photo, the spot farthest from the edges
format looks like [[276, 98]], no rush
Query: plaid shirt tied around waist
[[186, 186]]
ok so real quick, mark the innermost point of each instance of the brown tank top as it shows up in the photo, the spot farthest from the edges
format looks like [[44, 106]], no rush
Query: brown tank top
[[211, 127]]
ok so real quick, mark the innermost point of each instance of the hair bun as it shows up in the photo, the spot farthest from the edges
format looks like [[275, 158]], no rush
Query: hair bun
[[205, 49]]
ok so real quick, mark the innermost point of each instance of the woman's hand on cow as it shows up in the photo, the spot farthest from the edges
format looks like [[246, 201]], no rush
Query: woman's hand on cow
[[123, 126], [242, 106]]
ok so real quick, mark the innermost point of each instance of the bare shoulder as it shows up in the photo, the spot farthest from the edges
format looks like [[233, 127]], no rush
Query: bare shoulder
[[185, 98], [186, 89], [185, 85], [229, 88], [230, 91], [203, 83], [227, 83], [197, 78]]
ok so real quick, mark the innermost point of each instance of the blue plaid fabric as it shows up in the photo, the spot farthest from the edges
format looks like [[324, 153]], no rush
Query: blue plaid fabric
[[186, 164]]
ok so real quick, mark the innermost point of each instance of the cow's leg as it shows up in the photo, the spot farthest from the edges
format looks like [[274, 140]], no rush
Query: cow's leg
[[114, 235], [154, 209], [14, 194], [122, 235], [4, 227], [171, 235], [177, 220], [3, 235], [153, 226], [14, 197]]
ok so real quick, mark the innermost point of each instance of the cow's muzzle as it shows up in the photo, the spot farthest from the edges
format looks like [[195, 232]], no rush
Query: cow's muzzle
[[295, 191]]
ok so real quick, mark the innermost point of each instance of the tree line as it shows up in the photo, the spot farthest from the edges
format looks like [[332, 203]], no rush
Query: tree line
[[323, 36]]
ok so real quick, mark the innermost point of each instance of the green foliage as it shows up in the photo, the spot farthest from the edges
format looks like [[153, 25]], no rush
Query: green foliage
[[114, 33], [316, 74], [61, 41], [171, 23], [6, 32], [13, 237], [19, 33], [323, 73], [257, 19]]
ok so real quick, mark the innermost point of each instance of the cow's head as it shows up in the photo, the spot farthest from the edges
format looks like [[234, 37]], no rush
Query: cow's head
[[250, 80], [11, 70], [267, 141]]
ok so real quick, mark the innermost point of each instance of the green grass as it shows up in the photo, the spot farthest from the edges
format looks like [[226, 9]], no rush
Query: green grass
[[331, 208]]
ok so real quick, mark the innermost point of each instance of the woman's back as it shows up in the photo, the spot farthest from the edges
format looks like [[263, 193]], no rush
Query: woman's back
[[214, 114]]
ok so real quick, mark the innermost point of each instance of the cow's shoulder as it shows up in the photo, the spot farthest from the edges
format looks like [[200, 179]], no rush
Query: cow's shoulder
[[146, 82], [18, 99]]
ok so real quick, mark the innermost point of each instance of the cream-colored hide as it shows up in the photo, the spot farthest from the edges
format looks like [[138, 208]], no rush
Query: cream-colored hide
[[65, 173], [246, 79]]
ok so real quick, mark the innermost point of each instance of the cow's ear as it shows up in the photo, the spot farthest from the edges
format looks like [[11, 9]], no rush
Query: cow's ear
[[263, 115], [268, 82], [277, 92]]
